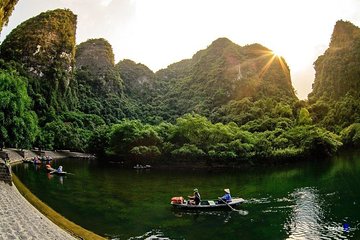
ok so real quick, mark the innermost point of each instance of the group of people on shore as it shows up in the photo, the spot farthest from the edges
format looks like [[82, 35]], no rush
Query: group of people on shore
[[38, 159], [196, 198]]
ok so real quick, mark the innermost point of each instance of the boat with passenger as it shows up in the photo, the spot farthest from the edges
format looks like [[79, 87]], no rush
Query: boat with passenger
[[181, 203]]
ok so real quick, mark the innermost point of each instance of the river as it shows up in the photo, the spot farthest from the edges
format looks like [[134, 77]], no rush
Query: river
[[317, 199]]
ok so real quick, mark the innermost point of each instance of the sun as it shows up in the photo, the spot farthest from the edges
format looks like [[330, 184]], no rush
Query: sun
[[276, 54], [273, 57]]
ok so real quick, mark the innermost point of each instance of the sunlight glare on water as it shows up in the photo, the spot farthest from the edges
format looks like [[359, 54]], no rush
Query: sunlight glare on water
[[307, 219]]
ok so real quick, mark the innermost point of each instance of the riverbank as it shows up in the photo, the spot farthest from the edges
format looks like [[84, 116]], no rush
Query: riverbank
[[20, 220], [24, 216], [52, 215], [17, 155]]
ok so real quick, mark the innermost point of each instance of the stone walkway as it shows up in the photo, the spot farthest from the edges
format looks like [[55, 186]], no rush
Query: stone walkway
[[20, 220]]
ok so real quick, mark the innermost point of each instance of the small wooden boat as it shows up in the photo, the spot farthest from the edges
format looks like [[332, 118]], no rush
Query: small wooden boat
[[50, 169], [142, 166], [179, 203], [58, 173]]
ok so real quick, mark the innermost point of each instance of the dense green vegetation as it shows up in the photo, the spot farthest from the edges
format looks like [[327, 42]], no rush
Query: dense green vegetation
[[226, 104], [6, 8], [195, 137], [335, 99], [18, 124], [45, 47]]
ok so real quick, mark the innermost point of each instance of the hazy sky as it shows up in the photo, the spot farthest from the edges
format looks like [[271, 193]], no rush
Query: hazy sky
[[160, 32]]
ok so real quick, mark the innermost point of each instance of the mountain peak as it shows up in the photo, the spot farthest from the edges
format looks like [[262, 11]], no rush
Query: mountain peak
[[43, 44], [221, 42], [336, 70], [344, 32]]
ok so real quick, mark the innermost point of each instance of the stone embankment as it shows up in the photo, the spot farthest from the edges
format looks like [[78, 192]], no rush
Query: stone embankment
[[5, 174], [18, 218]]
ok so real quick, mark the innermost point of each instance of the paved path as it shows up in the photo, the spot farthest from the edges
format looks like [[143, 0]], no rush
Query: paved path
[[20, 220]]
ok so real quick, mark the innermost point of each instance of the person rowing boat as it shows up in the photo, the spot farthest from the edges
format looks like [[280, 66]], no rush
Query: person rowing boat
[[196, 198], [227, 197]]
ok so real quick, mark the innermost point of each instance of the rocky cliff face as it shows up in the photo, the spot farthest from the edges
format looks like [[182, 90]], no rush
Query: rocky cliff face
[[136, 76], [6, 8], [45, 44], [222, 72], [234, 72], [95, 58], [335, 98], [338, 69], [249, 71]]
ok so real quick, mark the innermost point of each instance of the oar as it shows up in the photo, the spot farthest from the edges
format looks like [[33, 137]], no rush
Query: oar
[[233, 209], [67, 173], [227, 204]]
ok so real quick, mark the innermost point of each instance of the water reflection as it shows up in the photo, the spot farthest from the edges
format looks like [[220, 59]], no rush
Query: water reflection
[[308, 201], [308, 221], [51, 176], [151, 235], [195, 214], [306, 215]]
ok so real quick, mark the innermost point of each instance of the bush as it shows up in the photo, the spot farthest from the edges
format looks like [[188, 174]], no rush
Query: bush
[[351, 135]]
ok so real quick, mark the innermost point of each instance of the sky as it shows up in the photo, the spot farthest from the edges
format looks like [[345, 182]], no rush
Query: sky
[[158, 33]]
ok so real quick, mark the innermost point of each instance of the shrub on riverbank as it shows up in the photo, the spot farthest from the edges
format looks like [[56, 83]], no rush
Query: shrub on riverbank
[[351, 135]]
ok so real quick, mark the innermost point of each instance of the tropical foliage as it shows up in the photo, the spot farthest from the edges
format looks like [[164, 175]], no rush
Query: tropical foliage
[[18, 123], [6, 8], [227, 104]]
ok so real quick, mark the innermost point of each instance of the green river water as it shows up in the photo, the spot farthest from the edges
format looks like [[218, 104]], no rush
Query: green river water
[[310, 200]]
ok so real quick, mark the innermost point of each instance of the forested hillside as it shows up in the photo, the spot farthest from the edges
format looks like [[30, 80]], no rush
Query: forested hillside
[[6, 8], [44, 46], [214, 76], [335, 99], [226, 104]]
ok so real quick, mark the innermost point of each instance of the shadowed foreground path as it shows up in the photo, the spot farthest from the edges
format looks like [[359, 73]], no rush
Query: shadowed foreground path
[[20, 220]]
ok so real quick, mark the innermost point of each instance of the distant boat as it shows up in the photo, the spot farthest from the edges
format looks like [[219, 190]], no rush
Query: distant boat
[[59, 173], [138, 166], [50, 169], [180, 203]]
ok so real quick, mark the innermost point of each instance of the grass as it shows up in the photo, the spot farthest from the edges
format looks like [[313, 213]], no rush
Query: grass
[[55, 217]]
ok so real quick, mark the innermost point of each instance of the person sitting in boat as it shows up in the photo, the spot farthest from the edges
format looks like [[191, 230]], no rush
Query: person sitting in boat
[[59, 170], [196, 198], [226, 197]]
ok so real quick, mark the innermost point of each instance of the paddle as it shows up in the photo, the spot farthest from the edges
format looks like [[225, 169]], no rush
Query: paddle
[[67, 173], [233, 209]]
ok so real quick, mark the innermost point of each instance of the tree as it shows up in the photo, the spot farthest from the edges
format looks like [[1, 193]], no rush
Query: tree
[[128, 134], [6, 8], [18, 124], [304, 117]]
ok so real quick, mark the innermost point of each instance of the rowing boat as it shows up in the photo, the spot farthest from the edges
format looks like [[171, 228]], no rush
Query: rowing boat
[[206, 204], [50, 169], [59, 173]]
